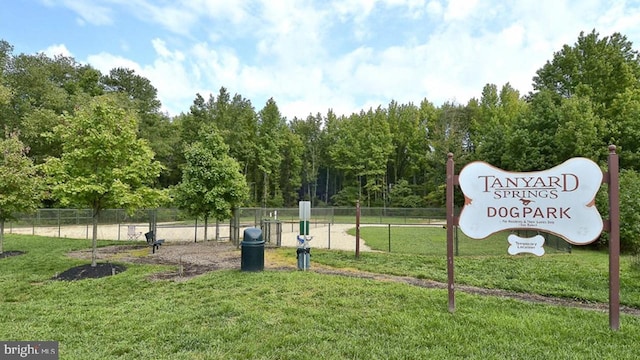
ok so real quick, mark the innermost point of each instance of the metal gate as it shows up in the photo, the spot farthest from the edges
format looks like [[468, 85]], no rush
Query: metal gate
[[271, 232]]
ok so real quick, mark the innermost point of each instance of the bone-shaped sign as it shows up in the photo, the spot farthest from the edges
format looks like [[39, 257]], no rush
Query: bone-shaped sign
[[560, 200], [518, 245]]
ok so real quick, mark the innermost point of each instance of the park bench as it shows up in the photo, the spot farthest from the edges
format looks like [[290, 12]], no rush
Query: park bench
[[151, 240]]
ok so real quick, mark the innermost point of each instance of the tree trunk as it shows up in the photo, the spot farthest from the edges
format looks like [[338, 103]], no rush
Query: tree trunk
[[265, 190], [326, 188], [206, 226], [1, 236], [94, 239]]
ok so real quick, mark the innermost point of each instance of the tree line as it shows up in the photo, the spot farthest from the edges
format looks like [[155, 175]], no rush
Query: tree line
[[584, 98]]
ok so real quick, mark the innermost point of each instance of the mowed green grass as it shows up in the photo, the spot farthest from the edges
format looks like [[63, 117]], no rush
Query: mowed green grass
[[288, 314], [432, 240]]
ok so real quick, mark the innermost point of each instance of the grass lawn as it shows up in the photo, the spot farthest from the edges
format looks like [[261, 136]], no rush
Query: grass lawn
[[432, 240], [306, 315]]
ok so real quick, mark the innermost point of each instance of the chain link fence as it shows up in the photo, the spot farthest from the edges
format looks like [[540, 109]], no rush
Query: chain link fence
[[279, 225]]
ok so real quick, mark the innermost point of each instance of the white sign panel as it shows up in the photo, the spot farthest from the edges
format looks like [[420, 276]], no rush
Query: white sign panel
[[518, 245], [560, 200]]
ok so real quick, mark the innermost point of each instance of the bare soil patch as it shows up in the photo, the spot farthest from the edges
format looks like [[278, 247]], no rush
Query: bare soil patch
[[193, 259], [190, 259]]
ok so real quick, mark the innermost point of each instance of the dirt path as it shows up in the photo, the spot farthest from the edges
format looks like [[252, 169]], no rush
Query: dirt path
[[324, 235]]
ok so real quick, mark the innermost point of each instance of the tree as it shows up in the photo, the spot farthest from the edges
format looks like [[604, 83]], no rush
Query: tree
[[604, 72], [409, 136], [19, 181], [625, 128], [309, 131], [290, 167], [153, 126], [103, 163], [604, 67], [212, 184], [401, 195], [494, 122], [42, 89], [361, 146], [271, 128]]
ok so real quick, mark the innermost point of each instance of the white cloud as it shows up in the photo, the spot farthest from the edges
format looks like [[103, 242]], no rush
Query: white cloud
[[105, 62], [459, 9], [434, 8], [91, 13], [294, 51], [56, 50]]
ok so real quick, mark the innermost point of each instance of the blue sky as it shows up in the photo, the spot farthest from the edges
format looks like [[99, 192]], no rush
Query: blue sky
[[315, 55]]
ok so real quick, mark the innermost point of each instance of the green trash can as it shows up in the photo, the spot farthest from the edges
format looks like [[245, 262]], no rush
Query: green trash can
[[252, 250]]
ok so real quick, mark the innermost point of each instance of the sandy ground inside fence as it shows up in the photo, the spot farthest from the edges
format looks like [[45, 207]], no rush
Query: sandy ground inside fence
[[323, 236]]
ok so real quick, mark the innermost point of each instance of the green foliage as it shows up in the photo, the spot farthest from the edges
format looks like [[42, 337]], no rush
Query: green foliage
[[309, 132], [290, 168], [345, 197], [585, 97], [103, 164], [212, 184], [361, 145], [602, 66], [402, 195], [624, 128], [20, 183], [629, 211]]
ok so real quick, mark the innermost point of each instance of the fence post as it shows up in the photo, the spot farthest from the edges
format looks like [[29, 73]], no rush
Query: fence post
[[357, 229], [329, 237], [389, 237]]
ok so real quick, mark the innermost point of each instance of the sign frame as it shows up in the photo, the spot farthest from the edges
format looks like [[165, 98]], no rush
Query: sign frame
[[612, 225]]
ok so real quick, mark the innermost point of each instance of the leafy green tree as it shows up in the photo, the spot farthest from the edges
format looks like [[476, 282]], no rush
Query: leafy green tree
[[629, 211], [401, 195], [604, 67], [604, 72], [409, 139], [361, 146], [155, 127], [290, 167], [449, 132], [530, 145], [581, 132], [493, 124], [43, 88], [20, 184], [212, 184], [271, 128], [103, 164], [625, 128], [309, 131]]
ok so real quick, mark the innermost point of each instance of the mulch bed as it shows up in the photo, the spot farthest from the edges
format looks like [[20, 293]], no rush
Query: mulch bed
[[90, 272], [7, 254]]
